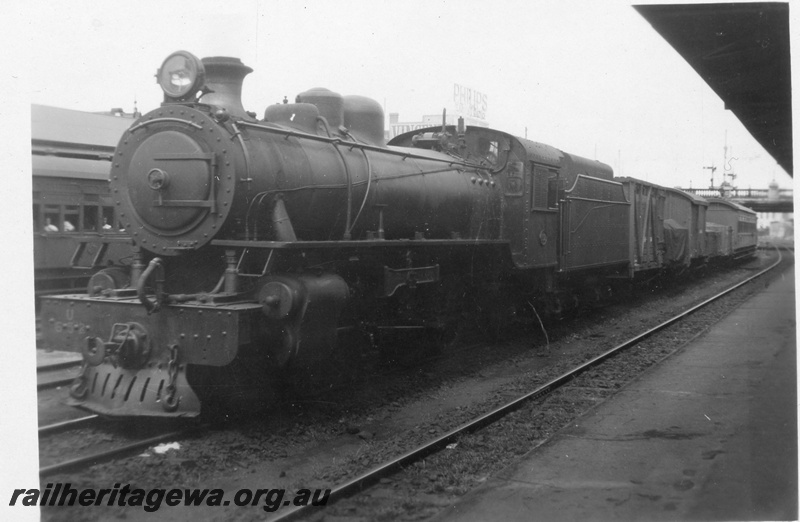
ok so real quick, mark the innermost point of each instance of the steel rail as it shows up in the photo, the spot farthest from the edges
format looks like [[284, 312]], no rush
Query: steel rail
[[370, 477], [55, 383], [57, 366], [51, 370], [67, 425], [102, 456]]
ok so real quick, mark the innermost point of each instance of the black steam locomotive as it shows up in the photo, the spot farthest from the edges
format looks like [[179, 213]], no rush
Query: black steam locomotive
[[261, 243]]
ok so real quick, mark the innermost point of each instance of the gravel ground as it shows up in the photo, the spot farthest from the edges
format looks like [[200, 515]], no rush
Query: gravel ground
[[320, 440]]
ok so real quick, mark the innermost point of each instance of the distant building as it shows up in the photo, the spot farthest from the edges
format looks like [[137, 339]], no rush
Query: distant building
[[396, 127], [120, 113], [467, 102], [782, 229]]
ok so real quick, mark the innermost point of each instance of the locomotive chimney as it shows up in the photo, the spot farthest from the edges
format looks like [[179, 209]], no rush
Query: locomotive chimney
[[224, 77]]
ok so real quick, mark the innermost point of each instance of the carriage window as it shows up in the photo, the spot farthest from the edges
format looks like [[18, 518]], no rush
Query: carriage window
[[108, 218], [71, 217], [37, 218], [52, 218], [91, 218]]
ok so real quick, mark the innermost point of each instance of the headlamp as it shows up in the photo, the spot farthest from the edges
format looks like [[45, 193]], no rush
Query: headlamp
[[181, 75]]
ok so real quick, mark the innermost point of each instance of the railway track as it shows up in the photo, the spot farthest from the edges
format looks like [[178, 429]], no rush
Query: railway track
[[108, 454], [55, 375], [366, 480], [114, 450], [71, 424], [49, 431]]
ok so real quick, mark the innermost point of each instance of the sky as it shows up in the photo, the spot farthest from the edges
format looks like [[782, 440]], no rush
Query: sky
[[589, 77]]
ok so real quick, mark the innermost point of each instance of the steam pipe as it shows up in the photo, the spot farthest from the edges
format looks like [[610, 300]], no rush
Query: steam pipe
[[284, 231], [151, 306]]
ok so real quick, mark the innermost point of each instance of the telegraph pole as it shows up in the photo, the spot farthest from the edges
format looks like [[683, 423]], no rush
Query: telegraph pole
[[713, 169]]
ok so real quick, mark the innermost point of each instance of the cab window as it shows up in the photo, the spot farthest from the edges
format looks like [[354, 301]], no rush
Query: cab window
[[487, 150], [544, 188]]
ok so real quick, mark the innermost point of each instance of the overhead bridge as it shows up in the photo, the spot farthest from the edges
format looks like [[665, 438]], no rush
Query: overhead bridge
[[759, 200]]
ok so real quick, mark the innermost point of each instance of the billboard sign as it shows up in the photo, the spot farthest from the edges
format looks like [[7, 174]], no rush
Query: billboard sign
[[469, 102]]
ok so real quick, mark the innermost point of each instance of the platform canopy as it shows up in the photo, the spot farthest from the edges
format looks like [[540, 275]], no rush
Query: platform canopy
[[742, 52]]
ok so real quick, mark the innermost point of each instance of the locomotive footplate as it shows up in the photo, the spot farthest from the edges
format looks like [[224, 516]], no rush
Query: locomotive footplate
[[135, 363]]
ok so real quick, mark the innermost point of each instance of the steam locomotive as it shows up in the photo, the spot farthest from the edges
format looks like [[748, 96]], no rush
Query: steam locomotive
[[260, 244]]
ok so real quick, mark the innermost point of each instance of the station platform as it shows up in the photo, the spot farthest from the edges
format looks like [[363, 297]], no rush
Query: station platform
[[709, 434]]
